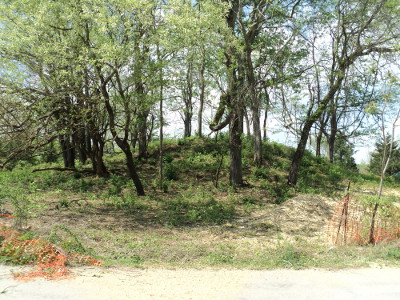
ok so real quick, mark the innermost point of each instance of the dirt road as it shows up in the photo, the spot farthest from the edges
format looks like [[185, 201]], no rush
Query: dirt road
[[109, 284]]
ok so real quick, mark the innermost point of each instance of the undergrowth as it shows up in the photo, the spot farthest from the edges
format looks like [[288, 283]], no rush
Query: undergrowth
[[196, 197]]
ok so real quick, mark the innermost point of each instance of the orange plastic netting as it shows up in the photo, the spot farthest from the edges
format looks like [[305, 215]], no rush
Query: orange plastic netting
[[49, 261], [351, 224]]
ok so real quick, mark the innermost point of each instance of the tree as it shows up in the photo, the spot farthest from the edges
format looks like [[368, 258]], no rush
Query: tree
[[381, 148], [263, 33], [93, 67], [344, 151], [73, 50], [38, 39], [360, 28], [386, 112]]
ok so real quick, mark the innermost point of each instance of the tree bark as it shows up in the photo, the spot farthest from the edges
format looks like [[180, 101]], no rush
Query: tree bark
[[202, 88], [257, 142], [68, 151], [235, 147], [332, 136], [188, 100], [266, 115], [298, 155], [255, 101], [187, 124], [132, 169], [246, 117], [318, 142], [134, 138], [142, 133], [96, 157], [80, 140]]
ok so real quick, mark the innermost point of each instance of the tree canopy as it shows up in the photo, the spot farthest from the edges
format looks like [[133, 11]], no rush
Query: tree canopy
[[90, 75]]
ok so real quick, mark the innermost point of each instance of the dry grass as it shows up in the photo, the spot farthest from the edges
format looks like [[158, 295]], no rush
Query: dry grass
[[261, 235]]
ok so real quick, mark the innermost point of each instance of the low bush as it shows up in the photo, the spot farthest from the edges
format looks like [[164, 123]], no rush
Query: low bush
[[188, 211]]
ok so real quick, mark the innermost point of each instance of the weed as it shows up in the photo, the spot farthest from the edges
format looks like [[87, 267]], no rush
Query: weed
[[22, 209], [63, 203], [290, 257], [170, 172], [63, 236], [168, 158], [394, 253], [117, 184], [279, 191], [260, 172], [248, 200], [206, 210], [220, 258], [222, 255]]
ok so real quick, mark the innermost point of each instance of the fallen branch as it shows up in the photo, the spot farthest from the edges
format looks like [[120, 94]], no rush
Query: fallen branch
[[63, 169]]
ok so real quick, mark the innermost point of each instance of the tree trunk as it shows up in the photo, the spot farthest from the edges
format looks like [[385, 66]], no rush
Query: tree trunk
[[298, 155], [68, 151], [257, 142], [132, 170], [265, 125], [80, 142], [246, 117], [122, 143], [134, 138], [332, 136], [188, 124], [255, 103], [142, 133], [266, 116], [96, 157], [88, 143], [150, 131], [311, 119], [188, 98], [161, 159], [318, 142], [235, 147], [99, 167], [201, 100], [95, 148]]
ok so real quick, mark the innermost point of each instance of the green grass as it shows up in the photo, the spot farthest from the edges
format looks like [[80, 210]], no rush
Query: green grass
[[194, 224]]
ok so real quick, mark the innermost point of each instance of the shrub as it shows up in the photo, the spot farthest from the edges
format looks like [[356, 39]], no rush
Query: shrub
[[22, 208], [260, 172], [184, 211], [170, 172], [168, 158]]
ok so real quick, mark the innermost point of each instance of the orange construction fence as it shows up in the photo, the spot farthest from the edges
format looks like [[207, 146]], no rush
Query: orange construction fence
[[49, 261], [351, 224]]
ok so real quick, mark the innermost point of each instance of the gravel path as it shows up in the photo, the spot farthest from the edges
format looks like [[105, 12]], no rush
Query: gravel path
[[124, 283]]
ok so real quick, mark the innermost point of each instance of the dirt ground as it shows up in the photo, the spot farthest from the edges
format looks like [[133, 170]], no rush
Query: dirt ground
[[151, 284], [305, 215]]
